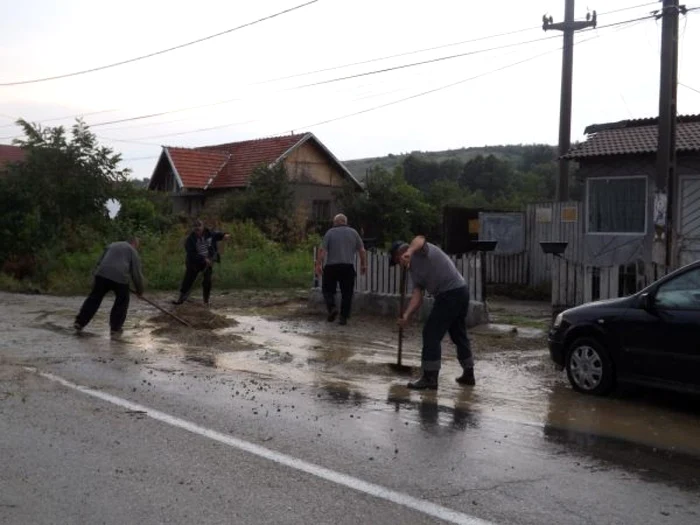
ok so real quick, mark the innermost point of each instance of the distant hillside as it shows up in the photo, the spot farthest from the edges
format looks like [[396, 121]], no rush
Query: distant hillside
[[513, 153]]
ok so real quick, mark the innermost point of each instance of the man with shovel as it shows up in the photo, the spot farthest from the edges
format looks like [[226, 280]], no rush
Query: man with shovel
[[432, 271], [202, 252], [118, 262]]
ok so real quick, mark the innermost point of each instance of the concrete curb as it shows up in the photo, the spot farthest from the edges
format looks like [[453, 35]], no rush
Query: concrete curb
[[388, 306]]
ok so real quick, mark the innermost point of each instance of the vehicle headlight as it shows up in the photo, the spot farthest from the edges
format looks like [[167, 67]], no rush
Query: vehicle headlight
[[557, 320]]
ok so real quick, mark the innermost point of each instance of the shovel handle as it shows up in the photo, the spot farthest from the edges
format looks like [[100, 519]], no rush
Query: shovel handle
[[154, 305], [402, 300]]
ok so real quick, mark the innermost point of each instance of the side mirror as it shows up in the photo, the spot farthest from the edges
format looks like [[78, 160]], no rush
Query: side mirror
[[646, 301]]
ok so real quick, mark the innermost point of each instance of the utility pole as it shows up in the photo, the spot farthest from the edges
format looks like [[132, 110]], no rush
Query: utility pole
[[568, 27], [665, 180]]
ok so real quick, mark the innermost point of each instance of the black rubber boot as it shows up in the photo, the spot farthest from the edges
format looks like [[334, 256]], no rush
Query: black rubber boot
[[332, 314], [428, 381], [467, 377]]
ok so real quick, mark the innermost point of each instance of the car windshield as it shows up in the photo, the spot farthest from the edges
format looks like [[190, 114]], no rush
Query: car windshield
[[683, 292]]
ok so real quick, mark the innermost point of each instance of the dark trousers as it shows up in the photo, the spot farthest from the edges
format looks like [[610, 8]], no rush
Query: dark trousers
[[191, 273], [99, 289], [333, 275], [448, 316]]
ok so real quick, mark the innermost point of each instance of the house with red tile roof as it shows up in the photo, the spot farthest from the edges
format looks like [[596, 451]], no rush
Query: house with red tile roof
[[619, 222], [9, 154], [200, 179]]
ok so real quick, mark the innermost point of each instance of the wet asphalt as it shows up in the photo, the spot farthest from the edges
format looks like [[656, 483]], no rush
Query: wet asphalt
[[339, 438]]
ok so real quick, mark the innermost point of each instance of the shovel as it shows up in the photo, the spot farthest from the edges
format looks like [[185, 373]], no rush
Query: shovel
[[178, 319], [398, 367]]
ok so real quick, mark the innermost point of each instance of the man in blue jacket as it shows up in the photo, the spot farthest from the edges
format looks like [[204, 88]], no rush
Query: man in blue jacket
[[202, 252]]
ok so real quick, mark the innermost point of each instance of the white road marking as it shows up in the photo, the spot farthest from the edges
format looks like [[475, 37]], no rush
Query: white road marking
[[399, 498]]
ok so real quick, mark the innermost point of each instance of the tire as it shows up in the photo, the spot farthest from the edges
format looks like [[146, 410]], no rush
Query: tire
[[589, 367]]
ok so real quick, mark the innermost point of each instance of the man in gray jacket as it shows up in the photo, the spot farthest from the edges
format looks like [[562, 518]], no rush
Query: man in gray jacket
[[118, 263], [340, 244]]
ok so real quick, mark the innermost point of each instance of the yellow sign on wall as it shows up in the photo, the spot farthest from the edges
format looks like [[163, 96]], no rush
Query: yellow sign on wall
[[474, 226], [569, 214]]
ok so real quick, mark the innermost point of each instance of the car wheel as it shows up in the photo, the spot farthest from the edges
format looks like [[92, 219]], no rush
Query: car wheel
[[589, 367]]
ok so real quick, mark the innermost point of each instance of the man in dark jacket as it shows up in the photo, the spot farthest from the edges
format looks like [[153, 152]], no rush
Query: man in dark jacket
[[119, 261], [202, 252]]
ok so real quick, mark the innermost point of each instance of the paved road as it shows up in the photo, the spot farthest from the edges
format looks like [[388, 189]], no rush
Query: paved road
[[100, 431]]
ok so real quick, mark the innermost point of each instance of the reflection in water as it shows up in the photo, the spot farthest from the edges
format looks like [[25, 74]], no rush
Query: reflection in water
[[341, 393], [666, 421], [644, 436], [430, 411]]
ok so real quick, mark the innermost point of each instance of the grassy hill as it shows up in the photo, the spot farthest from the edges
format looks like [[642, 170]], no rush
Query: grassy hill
[[513, 153]]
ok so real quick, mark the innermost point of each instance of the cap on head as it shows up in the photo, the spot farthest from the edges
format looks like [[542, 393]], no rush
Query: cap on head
[[396, 248]]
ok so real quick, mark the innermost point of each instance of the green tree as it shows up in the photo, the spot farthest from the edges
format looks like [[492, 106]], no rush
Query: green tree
[[57, 195], [389, 208], [268, 202]]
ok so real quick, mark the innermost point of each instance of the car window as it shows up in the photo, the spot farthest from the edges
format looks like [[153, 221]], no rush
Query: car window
[[681, 293]]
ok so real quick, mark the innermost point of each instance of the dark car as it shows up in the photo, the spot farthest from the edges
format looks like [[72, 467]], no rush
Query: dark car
[[650, 338]]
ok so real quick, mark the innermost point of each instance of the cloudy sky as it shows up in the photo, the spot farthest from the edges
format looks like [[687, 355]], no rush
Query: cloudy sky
[[289, 73]]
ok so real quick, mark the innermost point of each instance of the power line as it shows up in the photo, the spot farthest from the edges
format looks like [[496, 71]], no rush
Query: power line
[[404, 66], [451, 57], [441, 88], [156, 53], [226, 101], [66, 117], [637, 20], [690, 88]]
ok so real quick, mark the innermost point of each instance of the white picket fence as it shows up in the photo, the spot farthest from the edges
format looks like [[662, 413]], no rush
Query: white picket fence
[[383, 279]]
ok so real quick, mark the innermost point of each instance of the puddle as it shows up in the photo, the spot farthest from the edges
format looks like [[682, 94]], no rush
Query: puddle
[[516, 331]]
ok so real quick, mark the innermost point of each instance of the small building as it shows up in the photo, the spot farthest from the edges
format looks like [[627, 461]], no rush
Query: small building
[[8, 155], [617, 161], [200, 179]]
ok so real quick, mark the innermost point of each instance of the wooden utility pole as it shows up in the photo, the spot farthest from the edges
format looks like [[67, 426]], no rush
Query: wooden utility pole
[[568, 27], [665, 180]]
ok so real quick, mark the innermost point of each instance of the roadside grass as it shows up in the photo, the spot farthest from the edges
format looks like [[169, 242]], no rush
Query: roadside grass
[[248, 260]]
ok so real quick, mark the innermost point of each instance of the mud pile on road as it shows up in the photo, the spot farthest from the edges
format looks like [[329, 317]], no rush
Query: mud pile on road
[[198, 316], [200, 335]]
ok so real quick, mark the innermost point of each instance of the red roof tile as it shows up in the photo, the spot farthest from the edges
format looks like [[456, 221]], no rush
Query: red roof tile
[[10, 154], [196, 168], [630, 137], [248, 155]]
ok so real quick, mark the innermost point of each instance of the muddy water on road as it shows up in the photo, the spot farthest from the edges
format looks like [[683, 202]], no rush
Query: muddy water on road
[[515, 379]]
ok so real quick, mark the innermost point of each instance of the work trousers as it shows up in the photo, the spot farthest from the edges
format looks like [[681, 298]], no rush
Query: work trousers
[[449, 315], [191, 272], [100, 288], [343, 275]]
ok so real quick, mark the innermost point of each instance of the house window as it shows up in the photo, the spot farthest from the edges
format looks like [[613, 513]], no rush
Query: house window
[[617, 205], [321, 211]]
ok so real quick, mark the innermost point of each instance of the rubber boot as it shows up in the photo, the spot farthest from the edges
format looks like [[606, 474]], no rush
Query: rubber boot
[[467, 377], [428, 381]]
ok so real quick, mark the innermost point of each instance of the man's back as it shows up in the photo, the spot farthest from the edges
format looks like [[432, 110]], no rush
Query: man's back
[[341, 243], [432, 270], [120, 261]]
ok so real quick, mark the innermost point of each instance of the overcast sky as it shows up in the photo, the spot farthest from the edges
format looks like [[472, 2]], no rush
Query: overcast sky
[[503, 96]]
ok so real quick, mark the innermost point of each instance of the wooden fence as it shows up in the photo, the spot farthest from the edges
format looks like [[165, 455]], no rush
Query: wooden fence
[[507, 268], [575, 283], [385, 280]]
